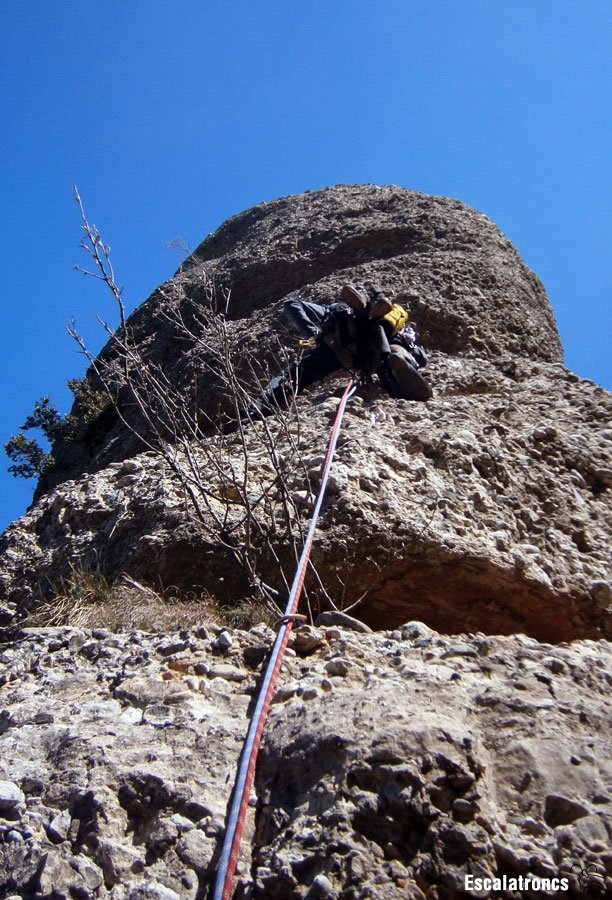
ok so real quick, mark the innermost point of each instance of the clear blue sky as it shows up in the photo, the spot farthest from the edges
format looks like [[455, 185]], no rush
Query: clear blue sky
[[172, 116]]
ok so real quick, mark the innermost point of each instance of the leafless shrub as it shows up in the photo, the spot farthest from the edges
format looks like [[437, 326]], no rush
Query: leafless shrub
[[178, 245], [237, 486]]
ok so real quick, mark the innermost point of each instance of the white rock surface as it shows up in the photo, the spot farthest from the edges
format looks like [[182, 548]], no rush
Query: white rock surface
[[396, 763]]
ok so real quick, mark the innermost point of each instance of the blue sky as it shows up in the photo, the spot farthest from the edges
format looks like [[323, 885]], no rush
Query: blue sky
[[171, 116]]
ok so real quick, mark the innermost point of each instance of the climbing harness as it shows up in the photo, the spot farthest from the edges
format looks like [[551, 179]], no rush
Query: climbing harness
[[248, 759]]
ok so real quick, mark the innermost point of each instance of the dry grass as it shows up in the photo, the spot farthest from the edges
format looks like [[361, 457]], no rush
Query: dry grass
[[88, 600]]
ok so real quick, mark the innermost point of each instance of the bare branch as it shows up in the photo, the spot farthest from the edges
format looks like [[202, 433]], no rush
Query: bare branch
[[100, 253], [239, 488]]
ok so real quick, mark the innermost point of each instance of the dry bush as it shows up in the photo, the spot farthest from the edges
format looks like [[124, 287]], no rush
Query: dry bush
[[238, 487]]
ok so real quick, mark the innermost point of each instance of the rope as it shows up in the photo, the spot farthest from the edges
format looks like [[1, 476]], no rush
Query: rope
[[246, 770]]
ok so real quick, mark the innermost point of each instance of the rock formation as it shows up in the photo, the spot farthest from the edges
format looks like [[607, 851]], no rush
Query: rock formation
[[397, 762], [393, 765]]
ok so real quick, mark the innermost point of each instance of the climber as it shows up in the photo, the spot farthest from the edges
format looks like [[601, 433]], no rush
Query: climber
[[358, 334], [396, 359]]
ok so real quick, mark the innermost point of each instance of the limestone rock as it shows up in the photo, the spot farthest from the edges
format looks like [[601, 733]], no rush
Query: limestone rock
[[109, 788], [10, 796], [498, 487], [431, 757], [333, 617], [491, 502], [468, 290], [472, 738], [450, 263]]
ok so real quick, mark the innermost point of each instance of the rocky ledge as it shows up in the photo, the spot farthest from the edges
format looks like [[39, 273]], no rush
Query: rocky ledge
[[393, 764]]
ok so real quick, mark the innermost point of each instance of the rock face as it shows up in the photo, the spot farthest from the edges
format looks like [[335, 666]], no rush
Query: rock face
[[493, 498], [467, 288], [394, 764], [464, 281]]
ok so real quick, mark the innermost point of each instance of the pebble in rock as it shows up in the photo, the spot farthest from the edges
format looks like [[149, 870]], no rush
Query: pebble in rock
[[10, 796]]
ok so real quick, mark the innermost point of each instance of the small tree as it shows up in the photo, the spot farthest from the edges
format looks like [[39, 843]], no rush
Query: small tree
[[29, 459]]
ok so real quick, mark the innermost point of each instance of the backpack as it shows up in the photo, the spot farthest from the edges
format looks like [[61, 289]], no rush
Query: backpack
[[395, 319]]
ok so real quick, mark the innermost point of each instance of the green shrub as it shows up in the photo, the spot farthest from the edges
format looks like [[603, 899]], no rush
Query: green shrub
[[29, 459]]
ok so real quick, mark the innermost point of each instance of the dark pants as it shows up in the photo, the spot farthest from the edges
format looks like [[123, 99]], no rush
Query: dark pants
[[312, 367], [308, 316]]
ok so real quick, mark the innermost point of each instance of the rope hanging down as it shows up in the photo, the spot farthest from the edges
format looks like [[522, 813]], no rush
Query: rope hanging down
[[246, 771]]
